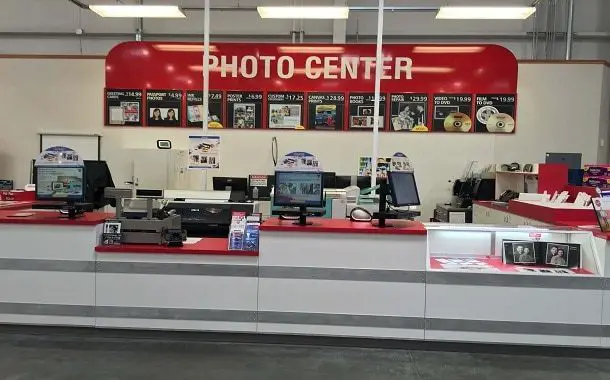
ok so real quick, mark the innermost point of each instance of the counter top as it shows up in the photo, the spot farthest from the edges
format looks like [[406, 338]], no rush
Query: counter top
[[205, 246], [343, 226], [551, 213], [15, 205], [51, 218]]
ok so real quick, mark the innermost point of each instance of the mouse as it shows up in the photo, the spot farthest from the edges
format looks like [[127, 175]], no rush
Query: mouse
[[359, 214]]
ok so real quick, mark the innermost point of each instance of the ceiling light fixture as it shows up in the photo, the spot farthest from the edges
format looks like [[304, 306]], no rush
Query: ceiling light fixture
[[485, 13], [138, 11], [304, 12]]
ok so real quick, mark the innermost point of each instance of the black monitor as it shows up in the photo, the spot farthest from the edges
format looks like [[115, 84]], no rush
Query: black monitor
[[230, 183], [330, 180], [98, 178], [403, 189], [363, 182], [343, 181], [60, 183], [300, 189]]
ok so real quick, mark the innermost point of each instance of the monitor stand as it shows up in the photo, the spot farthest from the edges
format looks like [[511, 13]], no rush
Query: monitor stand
[[383, 213], [302, 217], [74, 210]]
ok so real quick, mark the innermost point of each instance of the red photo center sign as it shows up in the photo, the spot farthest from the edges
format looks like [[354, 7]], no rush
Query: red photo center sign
[[444, 88]]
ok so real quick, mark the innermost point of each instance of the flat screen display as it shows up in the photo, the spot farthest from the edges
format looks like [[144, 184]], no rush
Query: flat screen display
[[299, 189], [60, 183], [403, 189]]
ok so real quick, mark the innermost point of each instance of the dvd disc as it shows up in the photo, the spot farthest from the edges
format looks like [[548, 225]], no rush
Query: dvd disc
[[484, 113], [457, 122], [500, 123]]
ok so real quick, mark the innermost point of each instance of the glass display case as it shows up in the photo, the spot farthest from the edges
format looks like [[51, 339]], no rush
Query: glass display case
[[529, 250]]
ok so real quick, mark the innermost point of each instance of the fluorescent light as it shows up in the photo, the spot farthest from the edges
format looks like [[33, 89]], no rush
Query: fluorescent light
[[183, 48], [485, 13], [299, 12], [138, 11], [445, 49], [311, 49]]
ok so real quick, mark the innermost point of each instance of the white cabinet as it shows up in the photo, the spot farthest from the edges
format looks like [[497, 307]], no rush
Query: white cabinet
[[488, 215]]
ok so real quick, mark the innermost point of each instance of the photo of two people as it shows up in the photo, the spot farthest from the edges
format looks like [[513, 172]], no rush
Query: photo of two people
[[163, 116]]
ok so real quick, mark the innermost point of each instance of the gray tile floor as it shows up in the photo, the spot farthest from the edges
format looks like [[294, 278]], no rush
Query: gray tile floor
[[84, 360]]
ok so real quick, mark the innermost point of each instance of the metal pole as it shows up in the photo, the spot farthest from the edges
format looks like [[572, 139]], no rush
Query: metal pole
[[206, 77], [140, 26], [378, 72], [570, 31]]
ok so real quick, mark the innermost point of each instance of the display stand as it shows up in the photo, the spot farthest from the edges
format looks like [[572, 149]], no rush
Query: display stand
[[303, 217]]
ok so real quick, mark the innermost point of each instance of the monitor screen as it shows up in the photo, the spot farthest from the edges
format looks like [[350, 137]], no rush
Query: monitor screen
[[299, 189], [230, 183], [363, 182], [403, 189], [60, 183], [330, 180], [343, 181]]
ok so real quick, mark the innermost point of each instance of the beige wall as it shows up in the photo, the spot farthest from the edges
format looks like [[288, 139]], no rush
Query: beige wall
[[560, 109]]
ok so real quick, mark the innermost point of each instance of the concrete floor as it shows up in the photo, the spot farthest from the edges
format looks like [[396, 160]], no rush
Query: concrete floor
[[48, 359]]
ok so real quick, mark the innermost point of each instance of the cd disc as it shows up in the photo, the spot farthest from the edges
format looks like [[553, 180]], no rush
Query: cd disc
[[457, 122], [485, 112], [500, 123]]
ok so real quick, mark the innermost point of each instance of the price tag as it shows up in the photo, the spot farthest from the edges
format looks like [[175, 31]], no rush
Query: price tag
[[164, 108], [495, 113], [285, 110], [244, 109], [123, 107], [409, 113], [452, 113], [325, 110], [361, 111]]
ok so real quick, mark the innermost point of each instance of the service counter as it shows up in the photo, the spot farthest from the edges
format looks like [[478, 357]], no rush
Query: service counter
[[342, 278], [48, 267], [334, 278]]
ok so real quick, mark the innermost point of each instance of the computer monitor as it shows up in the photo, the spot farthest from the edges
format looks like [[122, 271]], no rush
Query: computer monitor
[[230, 183], [343, 181], [60, 183], [98, 178], [330, 180], [363, 182], [403, 189], [299, 189]]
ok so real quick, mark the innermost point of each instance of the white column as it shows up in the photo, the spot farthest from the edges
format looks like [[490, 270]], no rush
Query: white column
[[378, 71], [206, 78], [339, 26]]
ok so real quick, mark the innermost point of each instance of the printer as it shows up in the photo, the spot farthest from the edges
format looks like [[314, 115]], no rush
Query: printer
[[142, 226], [206, 213]]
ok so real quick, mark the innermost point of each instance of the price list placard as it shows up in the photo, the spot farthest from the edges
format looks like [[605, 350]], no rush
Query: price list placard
[[495, 113], [194, 109], [285, 109], [164, 108], [123, 107], [325, 111], [452, 113], [244, 109], [409, 112], [361, 107]]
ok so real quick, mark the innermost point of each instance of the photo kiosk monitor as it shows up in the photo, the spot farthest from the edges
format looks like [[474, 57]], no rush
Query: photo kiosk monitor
[[60, 183], [343, 181], [97, 179], [330, 180], [230, 183], [363, 182], [299, 189], [403, 189]]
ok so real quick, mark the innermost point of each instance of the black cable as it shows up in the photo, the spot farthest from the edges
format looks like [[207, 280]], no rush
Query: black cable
[[274, 151]]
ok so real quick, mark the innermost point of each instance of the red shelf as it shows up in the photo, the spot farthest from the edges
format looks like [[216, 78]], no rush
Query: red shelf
[[52, 218], [206, 246], [343, 226]]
